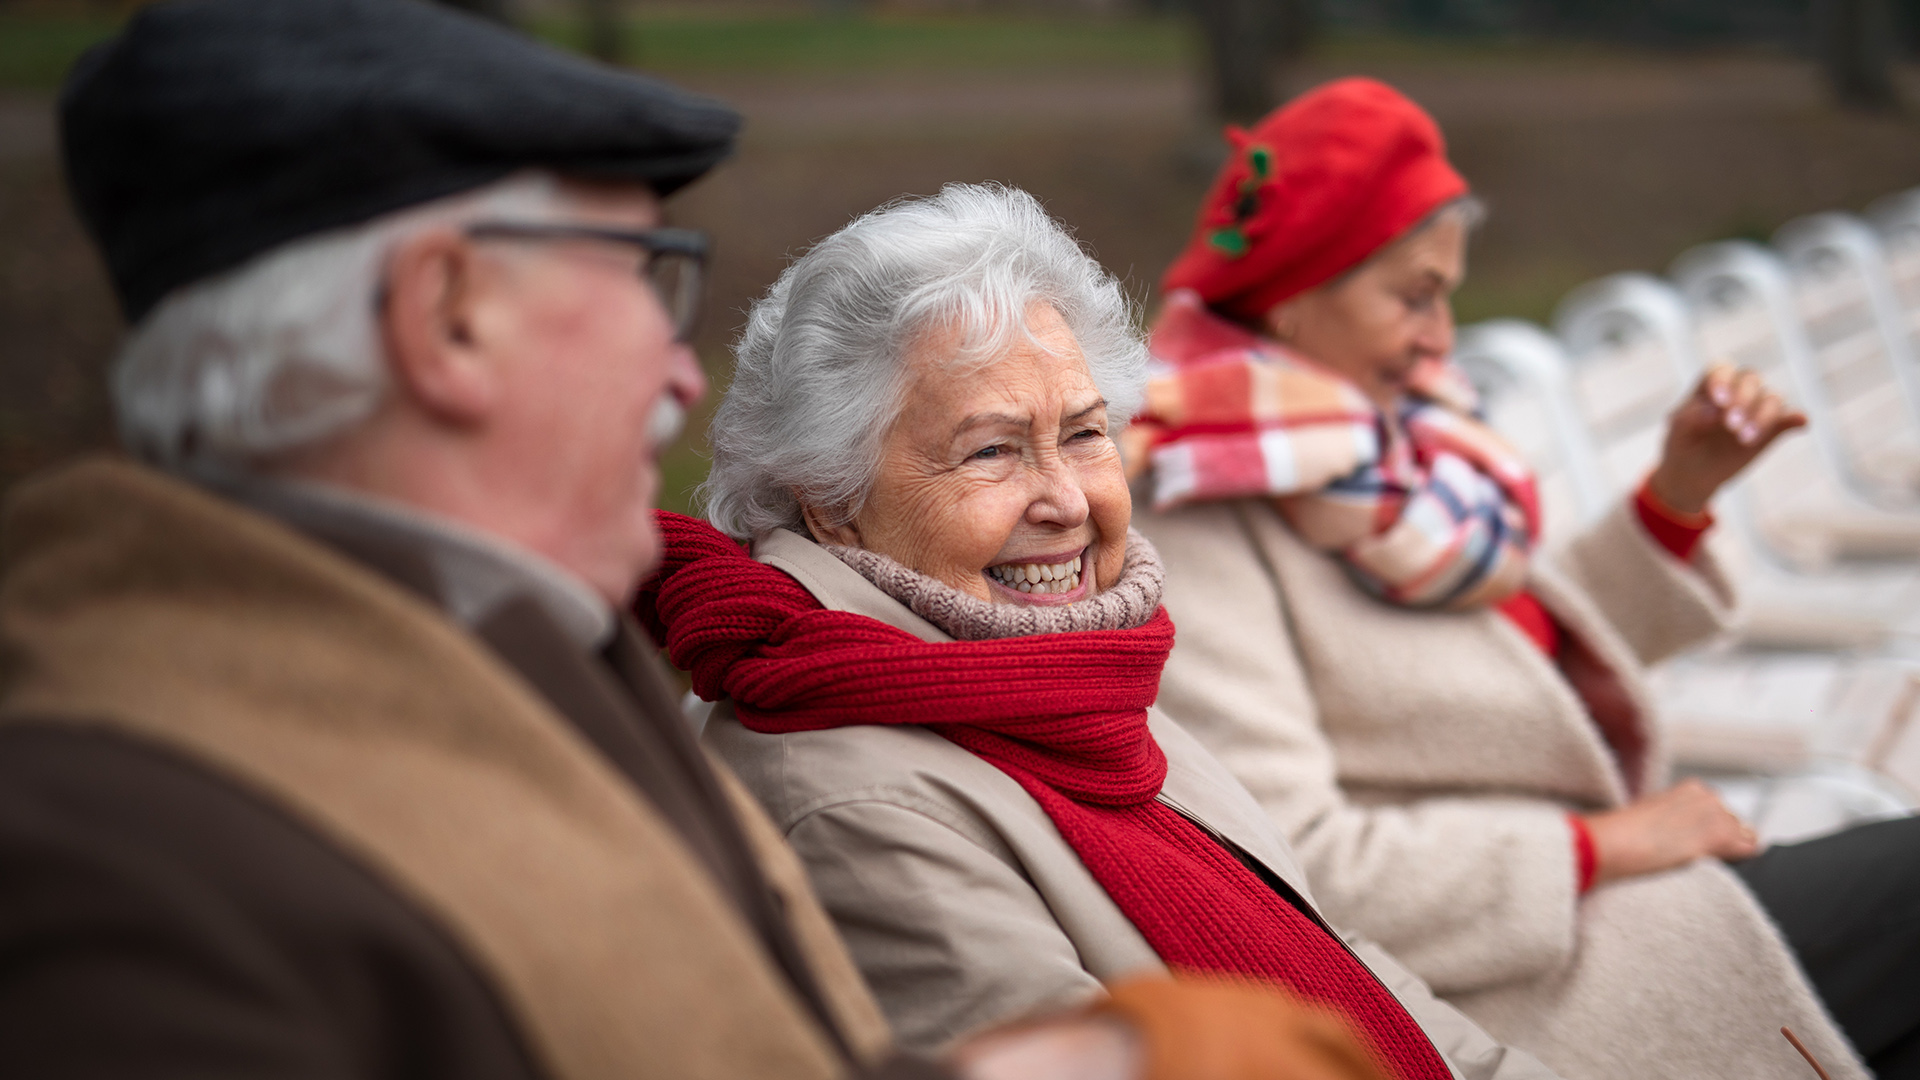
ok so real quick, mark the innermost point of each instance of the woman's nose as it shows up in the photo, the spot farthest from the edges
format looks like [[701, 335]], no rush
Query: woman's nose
[[1435, 337], [1060, 499]]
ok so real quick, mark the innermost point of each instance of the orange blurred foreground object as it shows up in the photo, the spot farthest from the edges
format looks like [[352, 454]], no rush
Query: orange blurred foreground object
[[1216, 1030]]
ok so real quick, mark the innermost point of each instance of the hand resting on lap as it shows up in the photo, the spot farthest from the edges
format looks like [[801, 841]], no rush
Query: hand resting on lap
[[1659, 832]]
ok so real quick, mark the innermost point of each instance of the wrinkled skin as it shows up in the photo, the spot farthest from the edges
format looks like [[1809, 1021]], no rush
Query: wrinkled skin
[[525, 381], [1718, 430], [1004, 464], [1665, 830], [1375, 323]]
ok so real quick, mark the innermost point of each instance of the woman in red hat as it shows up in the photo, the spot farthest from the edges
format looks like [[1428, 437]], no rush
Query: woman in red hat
[[1456, 735]]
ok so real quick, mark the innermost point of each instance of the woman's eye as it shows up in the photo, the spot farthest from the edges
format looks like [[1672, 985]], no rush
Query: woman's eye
[[987, 452], [1089, 433]]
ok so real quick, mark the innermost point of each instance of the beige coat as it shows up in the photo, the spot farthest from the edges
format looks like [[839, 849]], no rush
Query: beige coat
[[961, 902], [1422, 764], [138, 604]]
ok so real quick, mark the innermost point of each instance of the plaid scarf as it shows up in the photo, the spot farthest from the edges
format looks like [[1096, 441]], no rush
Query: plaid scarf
[[1426, 508]]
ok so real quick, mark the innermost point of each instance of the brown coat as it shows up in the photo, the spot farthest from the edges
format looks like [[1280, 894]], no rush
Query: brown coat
[[143, 608], [1423, 765]]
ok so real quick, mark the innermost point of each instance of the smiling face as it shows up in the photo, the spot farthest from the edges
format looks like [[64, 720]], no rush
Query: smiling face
[[1376, 324], [1001, 481]]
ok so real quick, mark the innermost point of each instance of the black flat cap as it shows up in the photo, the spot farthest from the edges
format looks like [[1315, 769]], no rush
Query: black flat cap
[[212, 130]]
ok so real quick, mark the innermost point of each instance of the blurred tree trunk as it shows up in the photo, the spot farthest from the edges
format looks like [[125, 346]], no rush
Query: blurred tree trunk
[[1292, 26], [1240, 66], [603, 30], [500, 11], [1855, 40], [1247, 43]]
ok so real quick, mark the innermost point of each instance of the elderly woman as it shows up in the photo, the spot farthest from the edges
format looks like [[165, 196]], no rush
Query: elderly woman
[[1456, 735], [937, 663]]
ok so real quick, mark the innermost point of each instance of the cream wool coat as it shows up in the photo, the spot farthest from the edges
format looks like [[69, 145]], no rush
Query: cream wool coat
[[962, 904], [1422, 764]]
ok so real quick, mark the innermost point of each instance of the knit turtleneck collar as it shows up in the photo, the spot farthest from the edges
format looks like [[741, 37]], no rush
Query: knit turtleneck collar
[[1129, 603]]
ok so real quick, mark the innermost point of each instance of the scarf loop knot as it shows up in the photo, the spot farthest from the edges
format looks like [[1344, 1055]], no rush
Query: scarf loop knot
[[1069, 709], [1426, 507]]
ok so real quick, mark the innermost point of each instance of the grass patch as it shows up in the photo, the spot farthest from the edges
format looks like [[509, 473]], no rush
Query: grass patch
[[36, 50], [802, 44], [37, 47], [1367, 47]]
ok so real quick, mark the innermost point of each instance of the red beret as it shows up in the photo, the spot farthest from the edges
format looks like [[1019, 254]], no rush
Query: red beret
[[1323, 182]]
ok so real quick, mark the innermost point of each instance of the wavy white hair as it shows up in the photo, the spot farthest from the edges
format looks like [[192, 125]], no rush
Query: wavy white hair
[[284, 350], [819, 369]]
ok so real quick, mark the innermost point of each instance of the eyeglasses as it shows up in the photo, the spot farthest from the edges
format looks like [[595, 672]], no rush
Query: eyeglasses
[[675, 261]]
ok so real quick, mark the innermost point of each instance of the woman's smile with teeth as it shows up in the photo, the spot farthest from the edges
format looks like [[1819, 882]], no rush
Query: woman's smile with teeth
[[1061, 577]]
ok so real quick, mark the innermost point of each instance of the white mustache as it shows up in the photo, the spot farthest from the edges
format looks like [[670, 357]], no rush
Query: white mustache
[[668, 421]]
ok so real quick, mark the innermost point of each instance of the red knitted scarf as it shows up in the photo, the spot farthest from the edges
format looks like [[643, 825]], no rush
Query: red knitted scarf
[[1065, 715]]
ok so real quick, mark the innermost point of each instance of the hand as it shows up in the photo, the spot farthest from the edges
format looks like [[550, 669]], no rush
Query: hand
[[1078, 1047], [1659, 832], [1156, 1028], [1730, 417]]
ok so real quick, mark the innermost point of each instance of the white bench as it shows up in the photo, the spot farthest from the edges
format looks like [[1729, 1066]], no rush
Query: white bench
[[1800, 742], [1861, 349], [1632, 352], [1805, 494]]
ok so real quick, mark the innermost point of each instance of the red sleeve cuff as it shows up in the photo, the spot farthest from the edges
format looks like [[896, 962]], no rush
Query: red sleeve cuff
[[1527, 612], [1586, 860], [1677, 532]]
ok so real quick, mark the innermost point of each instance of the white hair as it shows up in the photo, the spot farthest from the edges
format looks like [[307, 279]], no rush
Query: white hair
[[820, 368], [284, 350], [1471, 209]]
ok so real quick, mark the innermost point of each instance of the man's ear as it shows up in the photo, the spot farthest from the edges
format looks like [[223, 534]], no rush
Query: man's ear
[[845, 535], [429, 319]]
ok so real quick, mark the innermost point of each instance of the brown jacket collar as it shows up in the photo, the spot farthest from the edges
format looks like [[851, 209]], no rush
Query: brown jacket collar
[[137, 603]]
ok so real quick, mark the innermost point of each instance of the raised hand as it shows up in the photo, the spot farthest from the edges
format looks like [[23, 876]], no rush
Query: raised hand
[[1731, 416]]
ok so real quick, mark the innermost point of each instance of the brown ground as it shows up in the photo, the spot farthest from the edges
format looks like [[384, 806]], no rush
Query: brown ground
[[1591, 161]]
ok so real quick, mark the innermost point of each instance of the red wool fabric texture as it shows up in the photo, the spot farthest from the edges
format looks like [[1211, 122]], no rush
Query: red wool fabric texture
[[1065, 715], [1678, 532]]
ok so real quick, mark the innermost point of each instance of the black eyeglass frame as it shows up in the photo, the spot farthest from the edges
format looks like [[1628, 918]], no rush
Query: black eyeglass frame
[[687, 244]]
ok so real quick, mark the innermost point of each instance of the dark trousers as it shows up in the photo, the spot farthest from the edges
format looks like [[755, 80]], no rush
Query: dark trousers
[[1849, 905]]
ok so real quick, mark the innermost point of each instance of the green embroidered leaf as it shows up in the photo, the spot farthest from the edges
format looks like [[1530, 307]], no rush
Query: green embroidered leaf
[[1229, 241]]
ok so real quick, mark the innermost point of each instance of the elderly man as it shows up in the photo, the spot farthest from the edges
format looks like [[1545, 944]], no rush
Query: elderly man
[[323, 751]]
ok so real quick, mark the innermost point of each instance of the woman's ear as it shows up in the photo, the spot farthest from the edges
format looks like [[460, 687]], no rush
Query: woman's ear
[[1282, 320], [429, 315], [846, 534]]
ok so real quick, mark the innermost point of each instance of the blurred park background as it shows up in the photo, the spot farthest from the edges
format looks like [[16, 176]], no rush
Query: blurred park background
[[1603, 136]]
